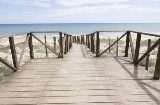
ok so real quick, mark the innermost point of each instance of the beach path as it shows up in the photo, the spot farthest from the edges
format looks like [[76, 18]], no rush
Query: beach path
[[80, 78]]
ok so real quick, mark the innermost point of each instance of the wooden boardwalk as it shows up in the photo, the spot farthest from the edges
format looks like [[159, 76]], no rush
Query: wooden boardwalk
[[82, 79]]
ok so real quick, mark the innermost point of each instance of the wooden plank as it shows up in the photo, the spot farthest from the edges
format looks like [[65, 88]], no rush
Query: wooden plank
[[30, 43], [65, 43], [127, 44], [113, 44], [61, 45], [23, 49], [157, 66], [91, 46], [148, 51], [7, 64], [147, 58], [131, 45], [45, 46], [71, 41], [13, 52], [97, 44], [138, 41], [88, 41], [93, 43], [117, 48]]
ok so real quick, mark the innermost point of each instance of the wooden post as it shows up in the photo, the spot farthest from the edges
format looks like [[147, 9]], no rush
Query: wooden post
[[54, 41], [65, 44], [157, 67], [71, 40], [97, 45], [91, 42], [117, 48], [147, 58], [93, 38], [77, 39], [86, 40], [13, 52], [45, 46], [136, 54], [109, 45], [83, 40], [61, 45], [30, 43], [127, 44]]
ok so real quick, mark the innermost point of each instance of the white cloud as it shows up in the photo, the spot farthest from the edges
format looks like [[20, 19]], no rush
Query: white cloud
[[86, 10], [81, 2], [143, 9], [41, 3]]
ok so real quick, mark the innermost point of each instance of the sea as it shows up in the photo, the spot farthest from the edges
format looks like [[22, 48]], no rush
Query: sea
[[78, 28]]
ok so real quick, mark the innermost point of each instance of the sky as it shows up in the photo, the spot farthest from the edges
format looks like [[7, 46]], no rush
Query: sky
[[79, 11]]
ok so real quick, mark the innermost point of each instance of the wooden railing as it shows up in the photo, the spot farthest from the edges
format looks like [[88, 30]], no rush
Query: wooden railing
[[65, 42], [93, 43]]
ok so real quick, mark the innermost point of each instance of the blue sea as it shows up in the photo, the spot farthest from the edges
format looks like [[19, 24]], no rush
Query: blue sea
[[78, 28]]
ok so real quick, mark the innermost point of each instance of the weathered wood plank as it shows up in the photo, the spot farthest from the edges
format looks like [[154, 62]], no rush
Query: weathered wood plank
[[61, 45], [13, 52], [157, 66], [30, 43], [138, 41], [147, 58], [97, 44], [127, 44]]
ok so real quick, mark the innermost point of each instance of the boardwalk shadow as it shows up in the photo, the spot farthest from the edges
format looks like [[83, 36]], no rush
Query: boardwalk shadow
[[86, 52], [139, 81]]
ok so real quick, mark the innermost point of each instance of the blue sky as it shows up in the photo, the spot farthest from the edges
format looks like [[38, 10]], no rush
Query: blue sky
[[79, 11]]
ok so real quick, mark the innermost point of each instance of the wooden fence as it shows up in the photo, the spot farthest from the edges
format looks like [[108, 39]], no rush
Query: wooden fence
[[65, 42], [93, 43]]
